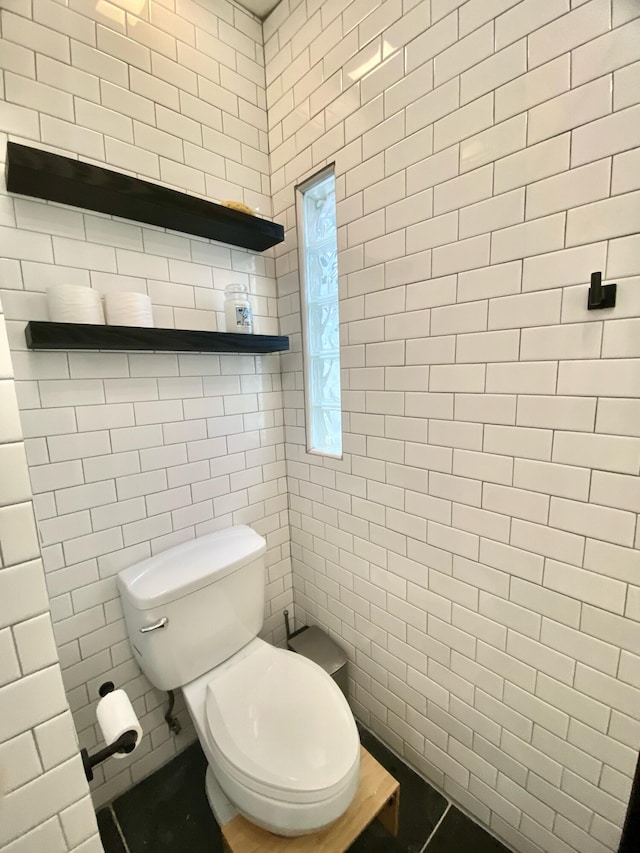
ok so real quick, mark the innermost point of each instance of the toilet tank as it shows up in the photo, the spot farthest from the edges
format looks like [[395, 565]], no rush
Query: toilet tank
[[190, 608]]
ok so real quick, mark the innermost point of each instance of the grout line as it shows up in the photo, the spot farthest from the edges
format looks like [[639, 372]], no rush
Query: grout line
[[436, 828], [119, 828]]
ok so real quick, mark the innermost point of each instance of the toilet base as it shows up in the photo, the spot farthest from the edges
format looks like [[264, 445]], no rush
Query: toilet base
[[221, 806], [378, 796]]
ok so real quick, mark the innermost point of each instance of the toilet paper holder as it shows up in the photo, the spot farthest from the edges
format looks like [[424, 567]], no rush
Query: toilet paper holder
[[125, 743]]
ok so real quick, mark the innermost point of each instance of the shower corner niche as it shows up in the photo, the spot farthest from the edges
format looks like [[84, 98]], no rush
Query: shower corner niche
[[52, 177]]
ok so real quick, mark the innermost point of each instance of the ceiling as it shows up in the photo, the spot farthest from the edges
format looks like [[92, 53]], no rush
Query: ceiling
[[261, 8]]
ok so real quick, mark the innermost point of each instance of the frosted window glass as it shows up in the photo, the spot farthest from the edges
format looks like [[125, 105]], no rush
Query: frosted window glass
[[320, 299]]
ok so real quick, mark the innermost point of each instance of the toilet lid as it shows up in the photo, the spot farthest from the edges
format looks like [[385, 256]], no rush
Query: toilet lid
[[280, 720]]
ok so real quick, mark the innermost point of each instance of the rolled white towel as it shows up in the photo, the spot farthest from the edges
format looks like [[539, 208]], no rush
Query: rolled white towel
[[128, 309], [71, 303]]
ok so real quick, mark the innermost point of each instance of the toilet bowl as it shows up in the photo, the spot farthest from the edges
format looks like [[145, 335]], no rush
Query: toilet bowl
[[278, 734], [279, 737]]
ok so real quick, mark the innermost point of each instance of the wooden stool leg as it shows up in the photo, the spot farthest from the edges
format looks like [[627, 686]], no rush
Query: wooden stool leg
[[390, 813]]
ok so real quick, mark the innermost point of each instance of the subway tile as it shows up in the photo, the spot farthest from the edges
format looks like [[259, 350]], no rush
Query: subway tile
[[571, 189], [465, 378], [409, 150], [522, 377], [575, 517], [434, 41], [15, 487], [38, 96], [466, 51], [610, 135], [575, 413], [625, 86], [434, 169], [618, 417], [19, 535], [483, 466], [622, 258], [31, 700], [603, 219], [54, 790], [548, 603], [35, 644], [567, 266], [35, 36], [70, 446], [522, 310], [610, 51], [496, 213], [78, 498], [488, 75], [456, 319], [432, 106], [498, 141], [606, 689], [610, 453], [569, 341], [20, 760], [580, 647], [64, 134], [9, 668], [623, 345], [437, 231], [538, 710], [533, 88], [516, 502], [582, 24], [533, 163], [625, 11], [518, 441], [530, 238], [463, 123], [498, 280], [19, 59], [525, 18], [463, 255], [463, 191], [486, 408], [606, 377], [481, 522], [487, 346]]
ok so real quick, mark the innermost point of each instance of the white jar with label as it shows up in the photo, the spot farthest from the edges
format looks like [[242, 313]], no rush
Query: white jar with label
[[237, 309]]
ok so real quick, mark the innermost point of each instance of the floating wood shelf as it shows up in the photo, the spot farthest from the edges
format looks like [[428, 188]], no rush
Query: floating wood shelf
[[42, 335], [40, 174]]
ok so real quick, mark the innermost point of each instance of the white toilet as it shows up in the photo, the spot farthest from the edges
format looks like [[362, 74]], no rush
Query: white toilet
[[279, 736]]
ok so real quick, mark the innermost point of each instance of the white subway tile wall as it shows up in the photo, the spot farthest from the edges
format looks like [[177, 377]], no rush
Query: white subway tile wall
[[476, 549], [45, 796], [131, 454]]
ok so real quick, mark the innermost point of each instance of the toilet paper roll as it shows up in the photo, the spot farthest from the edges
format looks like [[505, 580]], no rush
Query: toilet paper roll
[[71, 303], [128, 309], [115, 717]]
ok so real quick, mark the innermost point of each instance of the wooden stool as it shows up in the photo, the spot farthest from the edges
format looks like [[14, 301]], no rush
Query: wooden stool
[[378, 796]]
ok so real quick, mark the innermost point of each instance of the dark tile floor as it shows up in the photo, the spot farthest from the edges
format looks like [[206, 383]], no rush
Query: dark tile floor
[[168, 813]]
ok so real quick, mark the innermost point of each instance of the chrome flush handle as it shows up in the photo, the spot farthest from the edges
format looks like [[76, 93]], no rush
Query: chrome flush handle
[[161, 623]]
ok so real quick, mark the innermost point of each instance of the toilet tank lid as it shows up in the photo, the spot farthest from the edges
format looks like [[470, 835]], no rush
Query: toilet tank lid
[[188, 567]]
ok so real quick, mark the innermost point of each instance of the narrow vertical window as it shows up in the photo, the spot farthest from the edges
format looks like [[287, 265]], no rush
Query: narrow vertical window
[[316, 202]]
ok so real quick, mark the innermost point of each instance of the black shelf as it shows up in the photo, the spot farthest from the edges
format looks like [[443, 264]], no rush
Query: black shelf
[[42, 335], [40, 174]]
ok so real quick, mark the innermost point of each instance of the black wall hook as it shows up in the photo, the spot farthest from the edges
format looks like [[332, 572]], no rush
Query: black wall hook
[[601, 296]]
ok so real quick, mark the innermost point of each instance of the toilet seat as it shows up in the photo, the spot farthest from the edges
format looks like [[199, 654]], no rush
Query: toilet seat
[[279, 726]]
